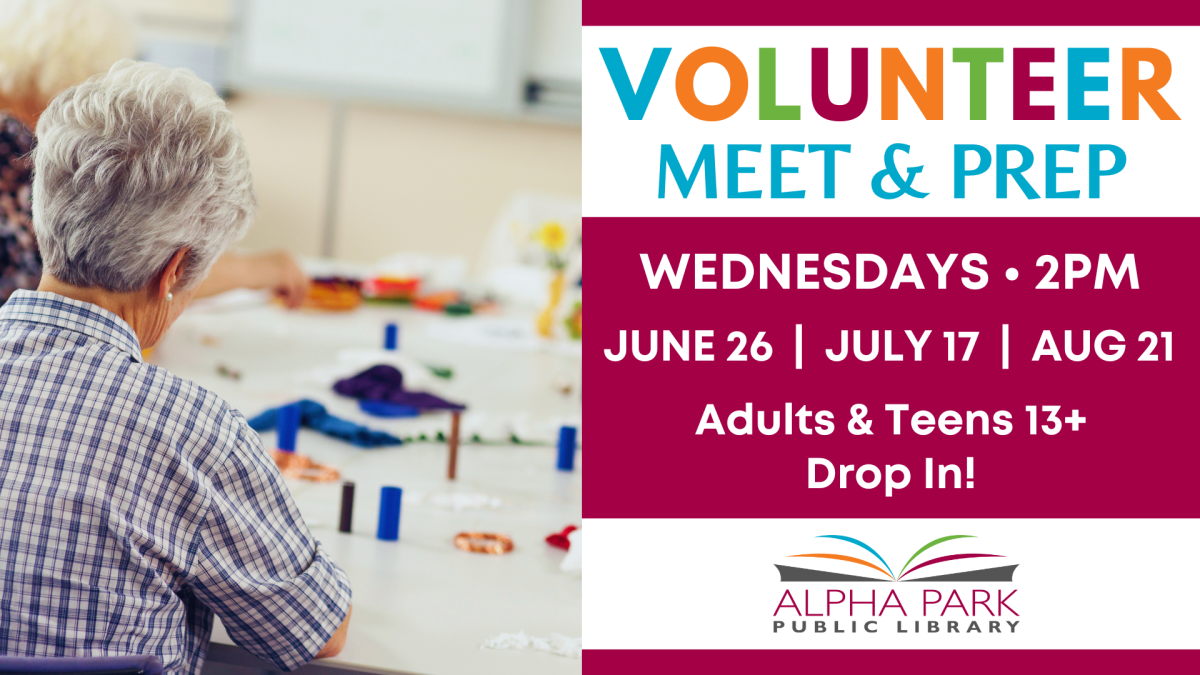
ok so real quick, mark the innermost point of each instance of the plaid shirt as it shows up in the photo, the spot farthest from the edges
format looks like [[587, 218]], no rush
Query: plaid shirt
[[135, 504]]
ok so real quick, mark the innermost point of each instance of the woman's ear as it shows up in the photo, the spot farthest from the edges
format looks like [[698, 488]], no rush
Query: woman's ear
[[168, 279]]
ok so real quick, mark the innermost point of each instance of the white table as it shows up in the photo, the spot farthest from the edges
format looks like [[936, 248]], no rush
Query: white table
[[420, 604]]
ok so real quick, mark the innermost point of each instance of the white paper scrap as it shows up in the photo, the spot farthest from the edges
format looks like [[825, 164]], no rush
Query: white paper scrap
[[572, 648], [573, 562]]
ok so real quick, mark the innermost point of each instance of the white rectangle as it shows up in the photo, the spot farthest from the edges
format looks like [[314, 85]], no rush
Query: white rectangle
[[621, 172], [713, 584], [454, 53], [799, 346]]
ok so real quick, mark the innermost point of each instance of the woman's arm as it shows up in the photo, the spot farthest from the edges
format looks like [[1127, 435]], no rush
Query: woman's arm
[[276, 270], [338, 640]]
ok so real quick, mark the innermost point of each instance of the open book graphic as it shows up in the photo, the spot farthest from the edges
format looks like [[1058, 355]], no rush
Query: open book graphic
[[1003, 573]]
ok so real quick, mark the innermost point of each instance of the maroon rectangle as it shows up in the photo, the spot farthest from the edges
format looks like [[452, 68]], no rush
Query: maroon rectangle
[[877, 13], [975, 662], [1135, 457]]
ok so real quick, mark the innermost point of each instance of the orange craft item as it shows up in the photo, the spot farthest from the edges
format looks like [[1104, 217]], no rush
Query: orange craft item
[[483, 542], [438, 301], [293, 465], [331, 294]]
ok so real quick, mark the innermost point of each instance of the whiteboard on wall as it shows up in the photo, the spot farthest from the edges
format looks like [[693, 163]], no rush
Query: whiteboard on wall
[[467, 54]]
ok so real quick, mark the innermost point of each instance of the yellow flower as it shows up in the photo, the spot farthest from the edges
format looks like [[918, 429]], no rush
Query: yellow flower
[[552, 235]]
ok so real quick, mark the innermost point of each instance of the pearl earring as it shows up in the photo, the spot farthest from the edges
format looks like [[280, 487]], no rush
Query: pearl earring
[[169, 296]]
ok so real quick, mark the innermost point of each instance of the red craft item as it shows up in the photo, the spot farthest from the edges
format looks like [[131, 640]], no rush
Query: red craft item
[[392, 288], [559, 539]]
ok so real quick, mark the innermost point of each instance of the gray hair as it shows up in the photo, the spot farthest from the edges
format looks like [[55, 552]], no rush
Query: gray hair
[[129, 168], [49, 45]]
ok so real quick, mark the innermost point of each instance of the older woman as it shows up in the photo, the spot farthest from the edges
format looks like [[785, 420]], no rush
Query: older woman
[[45, 47], [133, 504]]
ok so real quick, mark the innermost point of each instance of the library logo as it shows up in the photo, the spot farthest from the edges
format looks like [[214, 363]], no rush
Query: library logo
[[839, 602], [1003, 573]]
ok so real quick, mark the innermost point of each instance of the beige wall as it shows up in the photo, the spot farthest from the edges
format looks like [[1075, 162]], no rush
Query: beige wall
[[435, 182], [411, 180], [288, 141]]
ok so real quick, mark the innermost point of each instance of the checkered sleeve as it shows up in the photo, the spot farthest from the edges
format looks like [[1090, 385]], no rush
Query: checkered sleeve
[[259, 568]]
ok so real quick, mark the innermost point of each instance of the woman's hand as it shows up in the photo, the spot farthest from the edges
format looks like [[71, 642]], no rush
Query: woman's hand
[[282, 275], [276, 270]]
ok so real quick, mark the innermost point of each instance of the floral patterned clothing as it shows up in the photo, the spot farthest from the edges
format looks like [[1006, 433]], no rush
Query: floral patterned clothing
[[20, 263]]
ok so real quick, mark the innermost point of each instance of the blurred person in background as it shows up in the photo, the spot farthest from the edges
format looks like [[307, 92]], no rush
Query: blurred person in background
[[47, 46]]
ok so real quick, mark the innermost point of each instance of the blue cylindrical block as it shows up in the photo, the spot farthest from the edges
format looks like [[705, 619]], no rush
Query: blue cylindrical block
[[391, 337], [287, 426], [389, 514], [566, 449]]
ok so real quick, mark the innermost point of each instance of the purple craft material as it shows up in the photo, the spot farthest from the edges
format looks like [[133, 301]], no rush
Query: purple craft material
[[385, 383]]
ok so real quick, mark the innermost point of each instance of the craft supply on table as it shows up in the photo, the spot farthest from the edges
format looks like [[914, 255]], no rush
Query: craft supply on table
[[386, 383], [294, 465], [561, 645], [287, 427], [453, 303], [314, 416], [438, 301], [452, 445], [560, 540], [291, 464], [385, 409], [483, 542], [391, 337], [564, 386], [566, 449], [346, 517], [443, 372], [389, 514], [459, 309], [333, 294], [225, 371], [391, 289]]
